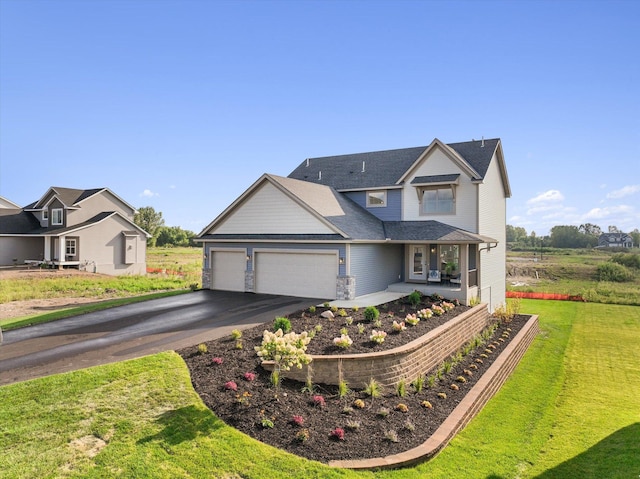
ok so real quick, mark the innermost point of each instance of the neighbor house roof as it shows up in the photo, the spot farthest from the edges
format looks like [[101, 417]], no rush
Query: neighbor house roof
[[385, 168], [17, 221], [71, 197]]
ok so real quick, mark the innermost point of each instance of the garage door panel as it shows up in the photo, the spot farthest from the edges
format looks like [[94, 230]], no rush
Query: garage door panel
[[297, 274], [227, 270]]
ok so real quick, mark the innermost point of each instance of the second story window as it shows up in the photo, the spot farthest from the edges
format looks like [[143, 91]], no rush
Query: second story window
[[439, 200], [45, 215], [376, 198], [56, 216]]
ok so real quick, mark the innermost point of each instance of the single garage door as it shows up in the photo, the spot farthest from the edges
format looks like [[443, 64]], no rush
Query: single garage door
[[227, 270], [311, 275]]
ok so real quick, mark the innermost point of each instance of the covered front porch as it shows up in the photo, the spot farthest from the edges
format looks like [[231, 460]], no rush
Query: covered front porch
[[58, 252]]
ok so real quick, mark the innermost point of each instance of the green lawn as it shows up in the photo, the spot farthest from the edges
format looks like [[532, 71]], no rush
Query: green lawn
[[571, 410]]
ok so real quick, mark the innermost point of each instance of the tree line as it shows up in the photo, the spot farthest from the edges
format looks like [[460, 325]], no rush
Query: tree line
[[563, 236], [152, 222]]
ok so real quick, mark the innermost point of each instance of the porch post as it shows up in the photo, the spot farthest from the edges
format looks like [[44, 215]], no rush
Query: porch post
[[61, 250], [464, 268], [47, 248]]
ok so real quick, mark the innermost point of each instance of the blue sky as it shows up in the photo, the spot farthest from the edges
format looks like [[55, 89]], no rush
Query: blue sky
[[182, 105]]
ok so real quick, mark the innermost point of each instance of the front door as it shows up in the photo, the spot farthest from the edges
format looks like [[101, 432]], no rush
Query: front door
[[417, 262]]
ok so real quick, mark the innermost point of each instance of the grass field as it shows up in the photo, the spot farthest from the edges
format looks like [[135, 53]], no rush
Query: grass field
[[571, 272], [570, 410], [186, 261]]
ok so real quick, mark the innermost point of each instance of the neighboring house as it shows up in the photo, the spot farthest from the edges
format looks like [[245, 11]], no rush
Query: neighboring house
[[5, 203], [615, 240], [431, 218], [92, 230]]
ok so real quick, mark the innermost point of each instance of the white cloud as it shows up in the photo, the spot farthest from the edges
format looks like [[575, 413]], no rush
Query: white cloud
[[624, 191], [172, 187], [550, 196], [148, 193], [607, 212]]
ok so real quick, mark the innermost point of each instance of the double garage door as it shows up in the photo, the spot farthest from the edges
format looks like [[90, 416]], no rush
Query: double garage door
[[291, 273]]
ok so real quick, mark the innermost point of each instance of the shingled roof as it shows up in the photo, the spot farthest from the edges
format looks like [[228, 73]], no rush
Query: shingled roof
[[384, 168]]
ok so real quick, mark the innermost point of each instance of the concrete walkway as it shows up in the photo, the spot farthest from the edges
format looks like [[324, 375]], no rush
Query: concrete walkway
[[372, 299]]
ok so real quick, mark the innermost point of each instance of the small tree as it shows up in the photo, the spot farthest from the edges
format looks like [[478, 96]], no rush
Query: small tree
[[149, 220]]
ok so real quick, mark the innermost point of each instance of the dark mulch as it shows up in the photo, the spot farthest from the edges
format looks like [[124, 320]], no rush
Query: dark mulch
[[257, 403]]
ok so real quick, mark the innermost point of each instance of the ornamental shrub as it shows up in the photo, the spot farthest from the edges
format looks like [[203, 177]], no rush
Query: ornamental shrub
[[415, 298], [282, 323], [371, 313], [287, 350]]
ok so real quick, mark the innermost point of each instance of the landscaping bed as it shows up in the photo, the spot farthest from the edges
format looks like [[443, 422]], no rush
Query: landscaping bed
[[323, 423]]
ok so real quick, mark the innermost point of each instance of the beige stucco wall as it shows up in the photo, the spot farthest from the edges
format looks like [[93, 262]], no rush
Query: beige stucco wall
[[95, 204], [102, 248], [20, 248]]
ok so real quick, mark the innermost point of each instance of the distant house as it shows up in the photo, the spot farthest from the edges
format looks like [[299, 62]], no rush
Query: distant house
[[5, 203], [615, 240], [431, 218], [92, 230]]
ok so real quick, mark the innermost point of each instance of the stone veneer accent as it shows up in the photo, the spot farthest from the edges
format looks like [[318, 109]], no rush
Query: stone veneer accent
[[345, 287], [248, 282], [405, 362], [469, 407], [206, 278]]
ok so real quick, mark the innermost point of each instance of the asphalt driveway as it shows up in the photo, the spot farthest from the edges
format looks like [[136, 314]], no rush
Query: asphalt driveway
[[135, 330]]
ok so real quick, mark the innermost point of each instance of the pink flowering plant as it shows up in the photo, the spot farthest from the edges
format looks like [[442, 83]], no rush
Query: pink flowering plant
[[437, 310], [231, 386], [425, 313], [318, 400], [217, 361], [447, 306], [297, 420], [249, 376], [398, 327], [338, 433]]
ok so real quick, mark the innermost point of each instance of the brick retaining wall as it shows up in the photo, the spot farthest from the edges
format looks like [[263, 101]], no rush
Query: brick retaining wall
[[405, 362], [473, 402]]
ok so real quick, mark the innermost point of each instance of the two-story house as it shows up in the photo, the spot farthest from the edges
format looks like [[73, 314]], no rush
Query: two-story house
[[429, 218], [91, 230], [615, 240]]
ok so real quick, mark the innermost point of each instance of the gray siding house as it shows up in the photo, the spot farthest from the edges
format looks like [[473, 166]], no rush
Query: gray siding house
[[92, 230], [615, 240], [431, 218]]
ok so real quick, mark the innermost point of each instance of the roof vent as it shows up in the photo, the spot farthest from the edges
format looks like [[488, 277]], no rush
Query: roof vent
[[307, 162], [482, 144], [363, 166], [320, 175]]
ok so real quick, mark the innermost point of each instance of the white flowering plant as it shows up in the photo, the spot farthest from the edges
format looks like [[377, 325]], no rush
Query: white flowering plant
[[344, 341], [287, 350], [437, 310], [425, 313], [377, 336], [412, 319]]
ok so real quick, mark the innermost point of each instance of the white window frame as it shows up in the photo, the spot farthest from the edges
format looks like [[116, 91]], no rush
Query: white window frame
[[70, 244], [45, 215], [383, 199], [54, 213], [423, 201]]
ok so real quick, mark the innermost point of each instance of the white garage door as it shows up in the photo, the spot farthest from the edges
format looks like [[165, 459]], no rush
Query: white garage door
[[311, 275], [227, 270]]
